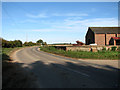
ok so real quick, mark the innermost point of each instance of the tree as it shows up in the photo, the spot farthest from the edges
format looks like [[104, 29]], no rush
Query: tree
[[18, 43], [26, 44], [29, 43], [4, 43], [40, 41], [44, 43], [11, 44]]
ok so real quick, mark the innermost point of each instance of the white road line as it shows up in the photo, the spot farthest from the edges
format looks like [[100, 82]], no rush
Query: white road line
[[73, 70]]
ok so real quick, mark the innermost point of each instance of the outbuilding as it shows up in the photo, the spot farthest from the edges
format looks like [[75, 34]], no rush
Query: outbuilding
[[103, 36]]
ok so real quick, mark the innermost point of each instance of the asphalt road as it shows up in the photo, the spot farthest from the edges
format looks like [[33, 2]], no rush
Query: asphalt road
[[53, 71]]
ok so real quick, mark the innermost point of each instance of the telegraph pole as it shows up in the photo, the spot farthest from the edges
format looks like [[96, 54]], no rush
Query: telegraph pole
[[26, 37]]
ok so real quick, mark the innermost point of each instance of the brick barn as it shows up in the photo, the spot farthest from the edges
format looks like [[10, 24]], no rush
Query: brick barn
[[103, 36]]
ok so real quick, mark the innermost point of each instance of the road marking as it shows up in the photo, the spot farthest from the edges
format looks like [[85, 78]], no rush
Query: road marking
[[73, 70], [69, 68]]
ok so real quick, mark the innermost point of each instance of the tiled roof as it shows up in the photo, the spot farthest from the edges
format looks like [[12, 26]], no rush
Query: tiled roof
[[105, 29], [116, 38]]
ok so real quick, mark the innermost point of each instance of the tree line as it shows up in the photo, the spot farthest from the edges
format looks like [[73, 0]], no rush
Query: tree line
[[18, 43]]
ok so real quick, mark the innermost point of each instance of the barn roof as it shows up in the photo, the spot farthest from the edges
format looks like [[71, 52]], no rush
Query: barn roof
[[105, 29], [116, 38]]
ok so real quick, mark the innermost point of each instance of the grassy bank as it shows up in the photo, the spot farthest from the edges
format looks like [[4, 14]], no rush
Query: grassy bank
[[83, 54], [9, 50], [6, 52]]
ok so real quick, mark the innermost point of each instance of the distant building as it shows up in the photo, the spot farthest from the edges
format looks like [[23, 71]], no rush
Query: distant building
[[103, 36], [78, 43]]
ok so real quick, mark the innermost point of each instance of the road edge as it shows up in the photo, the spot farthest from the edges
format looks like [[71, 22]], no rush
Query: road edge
[[78, 58], [11, 54]]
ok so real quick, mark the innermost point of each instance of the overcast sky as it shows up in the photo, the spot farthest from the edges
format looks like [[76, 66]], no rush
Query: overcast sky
[[55, 22]]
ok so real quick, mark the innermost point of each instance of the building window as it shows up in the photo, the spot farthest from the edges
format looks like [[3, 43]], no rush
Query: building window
[[117, 42]]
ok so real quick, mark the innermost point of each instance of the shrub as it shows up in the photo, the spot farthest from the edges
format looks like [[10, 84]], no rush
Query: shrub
[[113, 48], [11, 44], [104, 49], [108, 49], [29, 43], [118, 49]]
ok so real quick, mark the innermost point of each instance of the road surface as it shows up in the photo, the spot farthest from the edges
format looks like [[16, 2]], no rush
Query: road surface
[[53, 71]]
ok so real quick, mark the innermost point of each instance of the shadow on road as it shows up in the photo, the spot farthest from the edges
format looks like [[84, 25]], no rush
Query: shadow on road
[[53, 75], [14, 76], [5, 57], [72, 75]]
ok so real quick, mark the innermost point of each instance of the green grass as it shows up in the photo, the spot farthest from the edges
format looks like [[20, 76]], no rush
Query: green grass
[[8, 50], [83, 54]]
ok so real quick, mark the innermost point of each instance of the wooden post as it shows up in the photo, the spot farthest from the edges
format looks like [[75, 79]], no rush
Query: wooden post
[[105, 39]]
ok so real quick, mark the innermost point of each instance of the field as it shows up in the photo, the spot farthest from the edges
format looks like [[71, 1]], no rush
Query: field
[[113, 55]]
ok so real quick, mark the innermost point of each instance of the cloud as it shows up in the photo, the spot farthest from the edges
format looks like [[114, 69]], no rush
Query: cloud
[[101, 22], [45, 15], [93, 22], [69, 14], [69, 25], [41, 15], [45, 30], [82, 25], [72, 26], [29, 21]]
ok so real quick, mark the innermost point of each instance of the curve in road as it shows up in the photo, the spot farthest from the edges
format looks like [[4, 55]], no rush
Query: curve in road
[[53, 71]]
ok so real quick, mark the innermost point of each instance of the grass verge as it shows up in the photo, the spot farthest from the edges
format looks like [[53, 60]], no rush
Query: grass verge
[[113, 55], [7, 51]]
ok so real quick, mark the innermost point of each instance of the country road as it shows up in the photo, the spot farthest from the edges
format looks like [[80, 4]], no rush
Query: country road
[[53, 71]]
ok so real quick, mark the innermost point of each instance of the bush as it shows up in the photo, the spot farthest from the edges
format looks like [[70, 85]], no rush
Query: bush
[[104, 49], [29, 43], [118, 49], [40, 42], [11, 44], [113, 48], [108, 49]]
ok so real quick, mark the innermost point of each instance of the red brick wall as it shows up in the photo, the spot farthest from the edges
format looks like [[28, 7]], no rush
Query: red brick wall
[[100, 39], [118, 35], [108, 37]]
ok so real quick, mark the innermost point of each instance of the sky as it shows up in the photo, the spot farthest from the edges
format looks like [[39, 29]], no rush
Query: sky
[[55, 22]]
